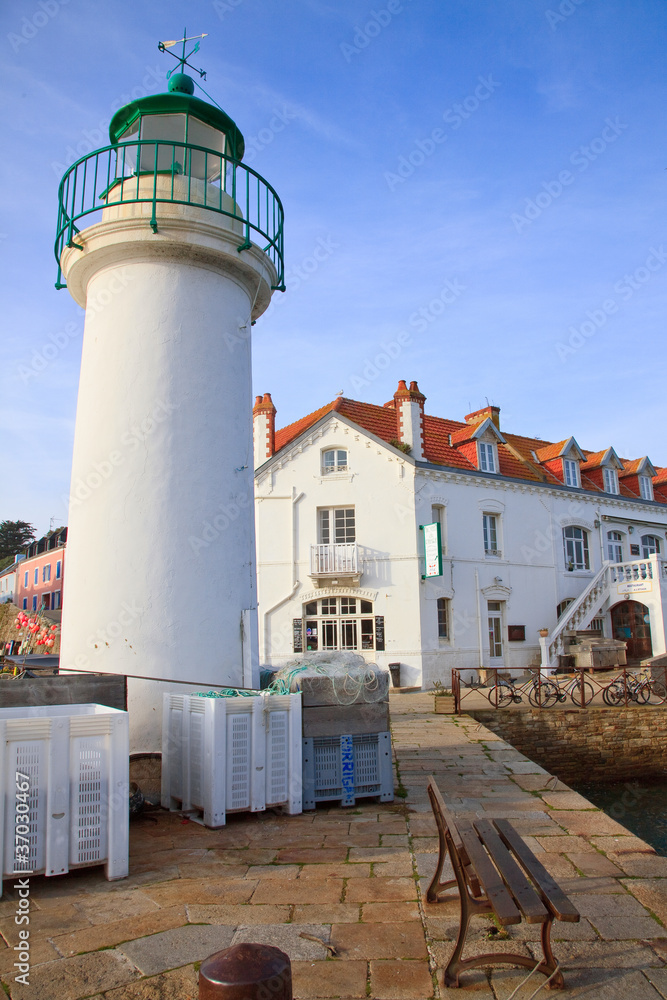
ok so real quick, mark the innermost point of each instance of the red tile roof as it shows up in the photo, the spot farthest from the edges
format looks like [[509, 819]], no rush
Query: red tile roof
[[441, 436]]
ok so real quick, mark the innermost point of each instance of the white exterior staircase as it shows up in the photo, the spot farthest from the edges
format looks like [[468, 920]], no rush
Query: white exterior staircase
[[606, 584]]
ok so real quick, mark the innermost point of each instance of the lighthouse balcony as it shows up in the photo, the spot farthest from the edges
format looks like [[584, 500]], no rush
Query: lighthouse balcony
[[149, 180]]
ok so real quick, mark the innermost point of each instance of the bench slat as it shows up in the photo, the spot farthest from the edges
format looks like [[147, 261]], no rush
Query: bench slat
[[552, 894], [492, 884], [447, 817], [523, 892]]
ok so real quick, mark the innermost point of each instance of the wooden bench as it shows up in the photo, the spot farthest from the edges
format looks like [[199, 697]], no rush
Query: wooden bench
[[495, 872]]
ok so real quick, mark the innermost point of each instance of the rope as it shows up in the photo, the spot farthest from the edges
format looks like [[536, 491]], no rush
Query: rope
[[529, 976]]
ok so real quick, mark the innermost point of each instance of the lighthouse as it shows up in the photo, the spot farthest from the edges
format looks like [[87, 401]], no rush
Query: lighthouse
[[174, 247]]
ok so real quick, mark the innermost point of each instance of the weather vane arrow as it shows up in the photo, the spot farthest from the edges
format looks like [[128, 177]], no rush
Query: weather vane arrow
[[183, 58]]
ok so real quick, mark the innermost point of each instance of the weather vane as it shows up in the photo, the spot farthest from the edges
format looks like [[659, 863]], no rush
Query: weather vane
[[183, 59]]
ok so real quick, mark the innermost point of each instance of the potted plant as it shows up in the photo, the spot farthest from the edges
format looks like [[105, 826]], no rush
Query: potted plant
[[444, 700], [544, 632]]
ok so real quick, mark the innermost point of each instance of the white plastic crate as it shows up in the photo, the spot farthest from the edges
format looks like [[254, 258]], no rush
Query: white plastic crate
[[346, 768], [223, 755], [76, 759]]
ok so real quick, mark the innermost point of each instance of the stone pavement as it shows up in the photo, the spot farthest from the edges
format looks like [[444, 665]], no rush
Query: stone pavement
[[341, 891]]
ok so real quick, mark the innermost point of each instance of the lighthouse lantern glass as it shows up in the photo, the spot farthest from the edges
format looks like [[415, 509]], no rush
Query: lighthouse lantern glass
[[166, 129]]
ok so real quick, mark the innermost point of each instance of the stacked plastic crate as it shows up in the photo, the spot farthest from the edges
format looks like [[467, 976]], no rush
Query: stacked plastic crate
[[346, 738], [233, 754], [64, 772]]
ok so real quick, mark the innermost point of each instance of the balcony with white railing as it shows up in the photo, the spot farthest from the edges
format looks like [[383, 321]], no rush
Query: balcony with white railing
[[335, 559]]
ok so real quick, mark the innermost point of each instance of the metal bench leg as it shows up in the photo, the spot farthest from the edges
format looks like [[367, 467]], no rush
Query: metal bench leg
[[557, 983]]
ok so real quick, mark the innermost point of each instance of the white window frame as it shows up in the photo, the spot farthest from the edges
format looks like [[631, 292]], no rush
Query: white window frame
[[438, 517], [487, 459], [615, 546], [338, 464], [571, 472], [494, 610], [650, 546], [443, 618], [610, 479], [571, 544], [338, 622], [327, 526], [59, 568], [491, 535], [645, 488]]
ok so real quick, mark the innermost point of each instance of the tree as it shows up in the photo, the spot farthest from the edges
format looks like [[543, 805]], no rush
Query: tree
[[14, 537]]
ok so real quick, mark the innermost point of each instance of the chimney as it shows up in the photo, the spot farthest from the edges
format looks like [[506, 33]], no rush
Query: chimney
[[409, 406], [479, 416], [263, 428]]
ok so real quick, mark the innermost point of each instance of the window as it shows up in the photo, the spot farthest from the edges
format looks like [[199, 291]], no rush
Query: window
[[34, 603], [337, 526], [571, 472], [25, 579], [490, 527], [495, 630], [575, 541], [36, 575], [334, 460], [46, 573], [25, 603], [59, 569], [650, 546], [443, 618], [563, 605], [56, 600], [615, 546], [339, 623], [438, 517], [487, 457], [610, 477], [645, 488]]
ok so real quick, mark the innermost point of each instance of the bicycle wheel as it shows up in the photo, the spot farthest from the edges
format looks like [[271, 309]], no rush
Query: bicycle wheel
[[575, 693], [642, 693], [504, 694], [543, 695], [613, 694]]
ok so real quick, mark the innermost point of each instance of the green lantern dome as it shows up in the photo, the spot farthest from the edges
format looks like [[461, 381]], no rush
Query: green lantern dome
[[186, 119]]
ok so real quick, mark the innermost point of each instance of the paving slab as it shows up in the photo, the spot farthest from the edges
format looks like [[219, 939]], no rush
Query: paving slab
[[296, 940], [181, 946], [593, 984], [178, 984], [311, 980], [73, 978]]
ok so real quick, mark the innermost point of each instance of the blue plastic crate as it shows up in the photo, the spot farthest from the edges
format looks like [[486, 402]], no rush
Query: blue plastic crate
[[346, 768]]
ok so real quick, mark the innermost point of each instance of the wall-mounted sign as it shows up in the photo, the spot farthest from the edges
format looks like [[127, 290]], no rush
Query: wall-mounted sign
[[379, 632], [516, 633], [297, 635], [634, 550], [634, 587], [432, 549]]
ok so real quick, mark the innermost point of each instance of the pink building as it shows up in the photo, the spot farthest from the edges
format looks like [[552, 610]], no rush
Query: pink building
[[39, 578]]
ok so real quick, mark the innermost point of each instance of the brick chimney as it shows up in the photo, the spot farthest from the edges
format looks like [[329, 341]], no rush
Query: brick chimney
[[264, 428], [409, 406], [479, 416]]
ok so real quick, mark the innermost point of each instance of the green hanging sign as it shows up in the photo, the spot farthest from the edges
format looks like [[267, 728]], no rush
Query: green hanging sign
[[432, 549]]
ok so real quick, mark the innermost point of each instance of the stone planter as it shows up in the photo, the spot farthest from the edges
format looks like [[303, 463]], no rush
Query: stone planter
[[444, 704]]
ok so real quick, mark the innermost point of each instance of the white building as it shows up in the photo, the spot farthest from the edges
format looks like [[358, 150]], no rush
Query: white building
[[8, 581], [533, 535]]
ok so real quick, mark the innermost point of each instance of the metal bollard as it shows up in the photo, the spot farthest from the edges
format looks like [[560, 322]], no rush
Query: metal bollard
[[246, 972]]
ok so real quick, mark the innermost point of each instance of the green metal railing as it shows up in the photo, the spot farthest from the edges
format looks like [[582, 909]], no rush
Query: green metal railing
[[190, 175]]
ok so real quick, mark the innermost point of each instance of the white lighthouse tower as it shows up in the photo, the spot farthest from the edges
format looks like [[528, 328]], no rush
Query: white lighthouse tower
[[173, 246]]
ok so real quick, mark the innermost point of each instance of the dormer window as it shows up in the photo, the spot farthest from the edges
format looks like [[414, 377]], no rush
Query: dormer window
[[645, 488], [571, 472], [610, 478], [334, 460], [487, 456]]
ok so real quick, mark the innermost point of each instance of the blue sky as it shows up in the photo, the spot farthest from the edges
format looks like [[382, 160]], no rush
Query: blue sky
[[484, 182]]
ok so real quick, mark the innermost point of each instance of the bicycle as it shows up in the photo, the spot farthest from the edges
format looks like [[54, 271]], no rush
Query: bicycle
[[541, 693], [573, 688], [641, 689]]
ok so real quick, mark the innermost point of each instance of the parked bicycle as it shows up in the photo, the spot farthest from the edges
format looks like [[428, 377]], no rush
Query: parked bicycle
[[542, 693], [641, 689], [574, 688]]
